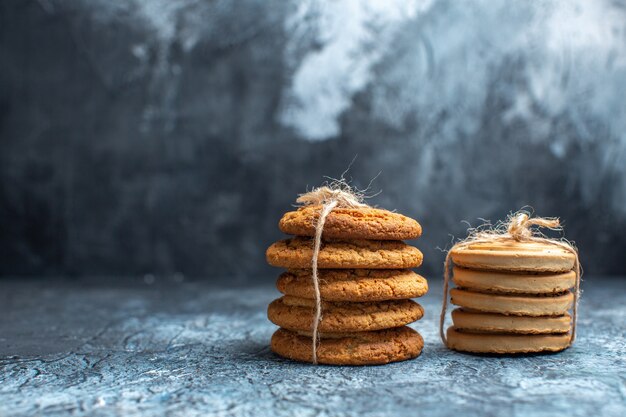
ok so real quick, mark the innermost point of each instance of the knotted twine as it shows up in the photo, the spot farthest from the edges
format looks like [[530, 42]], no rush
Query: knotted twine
[[517, 228], [337, 195]]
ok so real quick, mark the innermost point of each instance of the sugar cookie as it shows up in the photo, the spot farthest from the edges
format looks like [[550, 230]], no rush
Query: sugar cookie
[[297, 314], [354, 284], [514, 256], [513, 304], [505, 343], [477, 322], [351, 223], [363, 348], [510, 282], [296, 253]]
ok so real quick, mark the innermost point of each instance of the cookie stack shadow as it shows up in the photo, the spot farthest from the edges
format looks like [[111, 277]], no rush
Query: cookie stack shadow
[[365, 283], [513, 297]]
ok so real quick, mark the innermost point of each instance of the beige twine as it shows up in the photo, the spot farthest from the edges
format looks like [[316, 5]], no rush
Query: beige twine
[[338, 194], [516, 228]]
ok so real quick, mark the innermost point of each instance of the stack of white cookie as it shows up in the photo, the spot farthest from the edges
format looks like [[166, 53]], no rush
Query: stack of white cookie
[[514, 297]]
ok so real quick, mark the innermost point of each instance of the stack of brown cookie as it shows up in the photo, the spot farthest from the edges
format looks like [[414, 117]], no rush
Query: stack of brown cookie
[[364, 282], [514, 297]]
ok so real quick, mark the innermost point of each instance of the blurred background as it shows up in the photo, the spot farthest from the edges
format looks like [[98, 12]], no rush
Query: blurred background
[[165, 138]]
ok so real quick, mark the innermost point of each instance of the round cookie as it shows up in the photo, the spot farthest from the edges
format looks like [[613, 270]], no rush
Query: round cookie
[[476, 322], [351, 223], [514, 256], [297, 253], [513, 304], [502, 282], [297, 314], [364, 348], [505, 343], [354, 284]]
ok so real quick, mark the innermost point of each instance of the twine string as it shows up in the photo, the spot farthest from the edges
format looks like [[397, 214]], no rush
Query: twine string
[[516, 228], [326, 209], [338, 194]]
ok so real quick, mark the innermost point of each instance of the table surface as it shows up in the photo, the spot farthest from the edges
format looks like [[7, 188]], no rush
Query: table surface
[[184, 349]]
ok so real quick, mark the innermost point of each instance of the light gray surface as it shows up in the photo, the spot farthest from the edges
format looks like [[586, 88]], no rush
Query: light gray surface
[[192, 349]]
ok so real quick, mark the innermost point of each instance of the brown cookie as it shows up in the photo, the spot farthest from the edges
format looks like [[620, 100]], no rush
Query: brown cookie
[[351, 223], [506, 343], [297, 253], [363, 348], [510, 282], [354, 284], [514, 256], [297, 314], [477, 322], [518, 305]]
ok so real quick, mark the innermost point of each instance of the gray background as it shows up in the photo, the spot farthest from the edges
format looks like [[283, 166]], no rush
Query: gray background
[[166, 138]]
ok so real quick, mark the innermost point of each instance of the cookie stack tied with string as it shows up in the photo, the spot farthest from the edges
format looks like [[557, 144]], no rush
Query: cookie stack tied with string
[[513, 290], [348, 283]]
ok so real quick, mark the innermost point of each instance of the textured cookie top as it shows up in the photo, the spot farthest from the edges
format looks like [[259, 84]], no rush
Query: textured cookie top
[[514, 256], [364, 348], [354, 284], [351, 223], [297, 314], [297, 253]]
